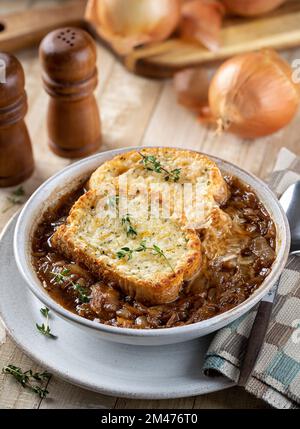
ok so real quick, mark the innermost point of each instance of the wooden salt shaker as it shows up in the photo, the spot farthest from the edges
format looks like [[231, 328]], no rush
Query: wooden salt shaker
[[68, 58], [16, 159]]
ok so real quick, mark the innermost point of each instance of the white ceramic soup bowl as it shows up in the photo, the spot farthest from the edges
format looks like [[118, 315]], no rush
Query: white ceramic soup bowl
[[49, 193]]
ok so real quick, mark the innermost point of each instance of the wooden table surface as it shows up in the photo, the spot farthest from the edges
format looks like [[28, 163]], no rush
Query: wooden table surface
[[134, 111]]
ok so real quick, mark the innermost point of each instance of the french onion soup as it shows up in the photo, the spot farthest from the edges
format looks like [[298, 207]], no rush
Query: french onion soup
[[155, 239]]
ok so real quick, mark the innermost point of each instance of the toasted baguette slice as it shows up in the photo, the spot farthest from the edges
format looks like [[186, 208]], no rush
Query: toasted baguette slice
[[206, 188], [194, 168], [149, 264]]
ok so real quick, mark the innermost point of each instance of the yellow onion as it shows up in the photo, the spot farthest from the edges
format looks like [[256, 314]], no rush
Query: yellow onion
[[125, 24], [191, 86], [251, 7], [201, 20], [253, 94]]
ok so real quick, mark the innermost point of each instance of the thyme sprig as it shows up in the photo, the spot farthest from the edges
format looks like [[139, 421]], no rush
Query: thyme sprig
[[44, 328], [82, 293], [126, 222], [29, 379], [151, 163], [45, 311], [64, 277], [158, 251], [127, 252], [15, 198]]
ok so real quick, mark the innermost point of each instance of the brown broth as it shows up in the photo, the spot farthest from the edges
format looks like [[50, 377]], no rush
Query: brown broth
[[223, 283]]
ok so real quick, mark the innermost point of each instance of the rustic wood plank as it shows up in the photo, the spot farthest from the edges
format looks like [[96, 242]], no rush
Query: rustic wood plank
[[66, 396], [12, 394], [8, 6], [234, 398], [126, 106], [231, 398], [25, 29], [182, 403]]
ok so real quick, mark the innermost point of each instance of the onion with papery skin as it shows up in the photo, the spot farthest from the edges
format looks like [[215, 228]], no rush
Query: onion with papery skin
[[130, 23], [251, 7], [191, 86], [253, 94], [201, 20]]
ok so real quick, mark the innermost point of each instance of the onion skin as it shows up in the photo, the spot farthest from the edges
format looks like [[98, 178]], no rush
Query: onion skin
[[202, 21], [191, 86], [251, 7], [130, 23], [252, 95]]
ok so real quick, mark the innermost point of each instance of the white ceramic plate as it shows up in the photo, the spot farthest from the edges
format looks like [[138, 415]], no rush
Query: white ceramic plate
[[157, 372]]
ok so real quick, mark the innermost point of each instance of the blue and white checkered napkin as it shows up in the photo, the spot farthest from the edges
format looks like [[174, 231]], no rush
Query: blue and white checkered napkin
[[276, 376]]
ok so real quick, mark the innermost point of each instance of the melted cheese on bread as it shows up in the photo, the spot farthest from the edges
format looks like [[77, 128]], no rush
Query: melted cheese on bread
[[160, 255], [199, 191]]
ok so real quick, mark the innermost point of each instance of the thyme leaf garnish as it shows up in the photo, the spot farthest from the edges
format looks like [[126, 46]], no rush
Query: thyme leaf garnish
[[82, 293], [64, 277], [44, 328], [61, 276], [15, 198], [45, 311], [160, 253], [126, 252], [28, 379], [151, 163], [126, 221]]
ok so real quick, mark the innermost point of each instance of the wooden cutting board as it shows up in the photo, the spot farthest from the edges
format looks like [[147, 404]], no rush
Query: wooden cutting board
[[279, 29], [23, 29]]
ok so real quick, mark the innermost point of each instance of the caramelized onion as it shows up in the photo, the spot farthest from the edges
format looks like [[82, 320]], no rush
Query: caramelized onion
[[104, 300], [79, 271], [261, 248], [127, 24]]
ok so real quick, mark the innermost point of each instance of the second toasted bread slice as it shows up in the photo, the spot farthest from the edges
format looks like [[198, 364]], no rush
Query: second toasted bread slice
[[185, 175], [192, 167]]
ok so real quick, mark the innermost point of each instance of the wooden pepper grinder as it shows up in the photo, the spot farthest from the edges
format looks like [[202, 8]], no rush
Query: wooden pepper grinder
[[16, 160], [68, 58]]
